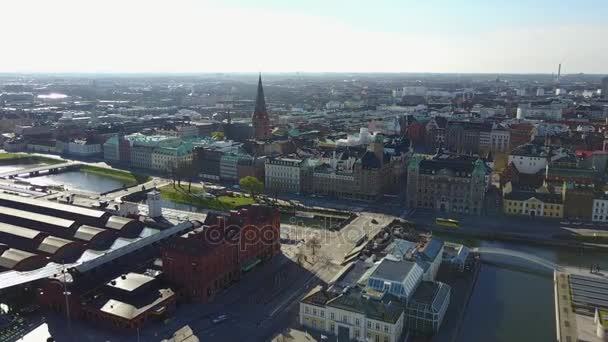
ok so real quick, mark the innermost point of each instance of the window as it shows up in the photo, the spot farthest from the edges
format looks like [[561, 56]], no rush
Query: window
[[332, 327], [322, 313], [357, 334], [386, 328], [378, 326], [306, 310], [314, 312], [356, 321], [331, 315], [369, 325]]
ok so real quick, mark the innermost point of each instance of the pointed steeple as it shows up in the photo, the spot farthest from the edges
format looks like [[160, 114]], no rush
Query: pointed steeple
[[259, 119], [260, 101]]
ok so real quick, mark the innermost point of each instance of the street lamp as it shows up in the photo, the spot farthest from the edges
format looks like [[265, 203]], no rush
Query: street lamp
[[66, 293]]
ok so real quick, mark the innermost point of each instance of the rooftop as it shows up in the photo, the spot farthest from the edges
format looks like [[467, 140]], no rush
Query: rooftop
[[389, 309], [130, 281]]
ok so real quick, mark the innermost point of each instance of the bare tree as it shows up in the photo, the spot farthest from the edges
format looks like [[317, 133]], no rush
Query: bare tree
[[314, 243], [300, 256]]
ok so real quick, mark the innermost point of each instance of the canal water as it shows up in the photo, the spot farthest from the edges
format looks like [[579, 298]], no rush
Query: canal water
[[513, 300], [80, 181]]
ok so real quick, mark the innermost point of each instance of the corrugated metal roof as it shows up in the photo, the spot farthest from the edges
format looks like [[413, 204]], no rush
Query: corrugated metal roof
[[19, 231], [56, 221], [52, 244], [54, 205], [12, 257]]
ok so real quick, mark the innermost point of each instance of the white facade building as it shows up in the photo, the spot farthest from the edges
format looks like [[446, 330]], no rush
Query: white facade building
[[531, 159], [500, 140], [600, 210], [552, 111], [283, 174]]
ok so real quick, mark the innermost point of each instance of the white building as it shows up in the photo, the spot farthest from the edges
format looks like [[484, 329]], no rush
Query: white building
[[410, 91], [531, 159], [500, 138], [82, 149], [600, 210], [283, 174], [552, 111], [364, 137], [351, 316]]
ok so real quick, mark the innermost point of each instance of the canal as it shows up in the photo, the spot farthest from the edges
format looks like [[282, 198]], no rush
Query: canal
[[513, 300], [80, 181]]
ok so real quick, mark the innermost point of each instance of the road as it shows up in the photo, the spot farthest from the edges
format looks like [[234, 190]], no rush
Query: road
[[536, 227]]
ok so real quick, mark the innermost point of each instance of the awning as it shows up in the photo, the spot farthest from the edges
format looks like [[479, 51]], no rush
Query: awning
[[250, 264]]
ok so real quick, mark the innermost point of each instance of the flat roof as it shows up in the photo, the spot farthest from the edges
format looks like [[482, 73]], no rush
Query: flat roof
[[393, 270], [128, 311], [54, 205], [130, 281]]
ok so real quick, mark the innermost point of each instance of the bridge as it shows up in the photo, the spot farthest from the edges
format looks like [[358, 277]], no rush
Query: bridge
[[35, 171], [520, 255]]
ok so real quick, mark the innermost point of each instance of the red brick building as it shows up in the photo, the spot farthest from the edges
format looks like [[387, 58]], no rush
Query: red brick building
[[416, 132], [209, 258], [127, 302]]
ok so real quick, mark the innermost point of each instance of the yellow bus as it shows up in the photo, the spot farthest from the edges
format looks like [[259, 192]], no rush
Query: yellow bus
[[447, 222]]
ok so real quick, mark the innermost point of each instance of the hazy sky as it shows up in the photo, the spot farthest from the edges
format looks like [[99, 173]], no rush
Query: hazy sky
[[493, 36]]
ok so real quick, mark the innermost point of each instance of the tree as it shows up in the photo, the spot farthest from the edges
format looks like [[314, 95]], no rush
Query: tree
[[300, 255], [313, 243], [218, 135], [183, 171], [251, 185]]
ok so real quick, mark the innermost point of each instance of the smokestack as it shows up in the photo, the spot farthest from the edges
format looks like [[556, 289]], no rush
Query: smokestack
[[559, 71]]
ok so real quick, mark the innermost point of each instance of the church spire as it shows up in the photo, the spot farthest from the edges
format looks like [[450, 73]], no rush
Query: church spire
[[260, 101], [259, 119]]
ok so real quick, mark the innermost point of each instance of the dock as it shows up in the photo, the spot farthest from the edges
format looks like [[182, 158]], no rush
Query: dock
[[579, 297]]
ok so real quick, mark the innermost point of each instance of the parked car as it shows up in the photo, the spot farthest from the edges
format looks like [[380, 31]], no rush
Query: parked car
[[219, 319]]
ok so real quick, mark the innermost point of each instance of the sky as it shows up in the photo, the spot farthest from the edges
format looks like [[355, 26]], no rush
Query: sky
[[176, 36]]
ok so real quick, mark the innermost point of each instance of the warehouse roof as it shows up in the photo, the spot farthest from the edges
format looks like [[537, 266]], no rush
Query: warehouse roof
[[11, 257], [19, 231], [51, 244], [28, 215], [53, 205], [87, 233], [117, 222]]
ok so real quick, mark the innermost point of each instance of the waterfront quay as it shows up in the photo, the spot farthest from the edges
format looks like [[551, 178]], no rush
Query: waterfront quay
[[581, 304]]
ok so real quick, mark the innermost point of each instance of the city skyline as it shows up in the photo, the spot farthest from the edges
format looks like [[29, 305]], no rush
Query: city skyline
[[242, 36]]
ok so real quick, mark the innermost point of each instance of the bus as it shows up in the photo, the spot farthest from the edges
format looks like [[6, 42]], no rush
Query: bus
[[447, 222]]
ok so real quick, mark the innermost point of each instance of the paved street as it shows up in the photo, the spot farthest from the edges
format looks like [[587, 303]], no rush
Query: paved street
[[537, 227]]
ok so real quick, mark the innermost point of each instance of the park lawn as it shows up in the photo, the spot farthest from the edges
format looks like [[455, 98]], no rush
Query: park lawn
[[8, 157], [125, 176], [181, 195]]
